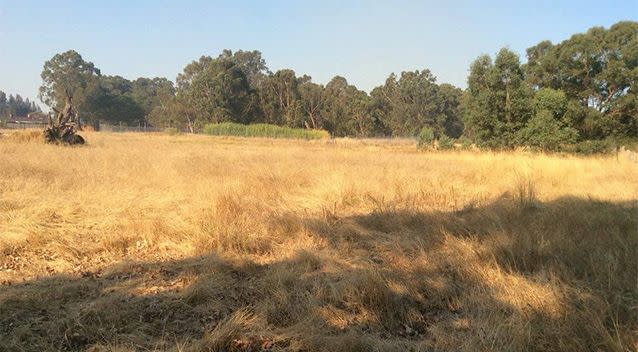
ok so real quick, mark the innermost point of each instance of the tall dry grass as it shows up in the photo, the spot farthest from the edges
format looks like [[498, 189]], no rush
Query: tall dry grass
[[188, 243]]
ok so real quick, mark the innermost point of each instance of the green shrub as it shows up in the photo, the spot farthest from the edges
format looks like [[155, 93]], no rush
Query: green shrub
[[592, 147], [544, 132], [426, 137], [446, 142], [171, 131], [550, 100], [262, 130], [465, 142]]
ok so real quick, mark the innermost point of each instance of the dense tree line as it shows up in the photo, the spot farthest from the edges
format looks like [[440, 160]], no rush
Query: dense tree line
[[239, 87], [98, 97], [16, 106], [583, 88]]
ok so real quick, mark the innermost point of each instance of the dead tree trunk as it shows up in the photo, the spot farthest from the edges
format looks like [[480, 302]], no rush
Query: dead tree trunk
[[64, 129]]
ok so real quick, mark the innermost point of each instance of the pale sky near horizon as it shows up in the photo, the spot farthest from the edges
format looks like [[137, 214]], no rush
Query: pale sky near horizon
[[364, 41]]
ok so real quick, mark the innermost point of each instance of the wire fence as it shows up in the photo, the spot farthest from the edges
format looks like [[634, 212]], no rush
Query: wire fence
[[124, 128], [21, 125], [143, 128]]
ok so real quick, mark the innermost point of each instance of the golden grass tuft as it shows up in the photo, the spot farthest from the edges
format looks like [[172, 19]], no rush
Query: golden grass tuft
[[24, 136], [190, 243]]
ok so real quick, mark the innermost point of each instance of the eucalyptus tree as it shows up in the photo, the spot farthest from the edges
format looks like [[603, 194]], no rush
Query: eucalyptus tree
[[68, 77]]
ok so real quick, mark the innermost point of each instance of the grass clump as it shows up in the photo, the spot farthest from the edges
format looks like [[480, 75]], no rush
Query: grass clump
[[249, 244], [26, 136], [262, 130], [446, 142], [426, 138], [171, 131]]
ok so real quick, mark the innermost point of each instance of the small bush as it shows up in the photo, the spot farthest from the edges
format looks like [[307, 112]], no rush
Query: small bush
[[171, 131], [446, 142], [262, 130], [426, 137], [465, 142], [544, 132], [526, 192], [592, 147], [26, 136]]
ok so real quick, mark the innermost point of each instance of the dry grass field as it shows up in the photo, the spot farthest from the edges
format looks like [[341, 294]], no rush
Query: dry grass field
[[198, 243]]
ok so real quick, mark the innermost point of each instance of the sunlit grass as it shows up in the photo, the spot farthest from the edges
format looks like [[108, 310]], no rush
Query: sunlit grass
[[157, 242]]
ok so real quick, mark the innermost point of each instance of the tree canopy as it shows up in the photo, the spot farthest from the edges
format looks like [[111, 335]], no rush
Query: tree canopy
[[15, 105], [68, 75], [583, 88]]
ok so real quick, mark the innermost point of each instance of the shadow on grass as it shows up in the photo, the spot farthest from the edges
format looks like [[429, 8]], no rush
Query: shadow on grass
[[508, 275]]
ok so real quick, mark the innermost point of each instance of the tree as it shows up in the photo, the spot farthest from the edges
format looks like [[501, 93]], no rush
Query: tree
[[598, 71], [250, 63], [552, 100], [279, 99], [67, 76], [541, 65], [174, 112], [449, 106], [192, 70], [4, 107], [346, 109], [413, 101], [312, 101], [218, 90], [111, 102], [16, 106], [548, 129], [512, 92], [149, 93], [545, 132], [498, 102]]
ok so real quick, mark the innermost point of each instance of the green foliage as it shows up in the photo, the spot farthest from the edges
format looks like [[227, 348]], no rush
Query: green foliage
[[16, 106], [279, 99], [426, 137], [598, 72], [226, 129], [584, 88], [551, 100], [465, 142], [217, 90], [174, 112], [446, 142], [250, 63], [68, 75], [312, 103], [112, 102], [592, 147], [413, 100], [545, 132], [498, 101], [149, 93], [345, 110], [449, 100], [108, 98], [262, 130]]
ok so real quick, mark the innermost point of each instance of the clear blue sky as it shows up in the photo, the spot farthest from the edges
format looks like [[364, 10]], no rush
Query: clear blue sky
[[363, 41]]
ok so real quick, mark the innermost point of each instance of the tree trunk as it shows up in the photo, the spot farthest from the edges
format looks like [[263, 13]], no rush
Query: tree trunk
[[63, 130]]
